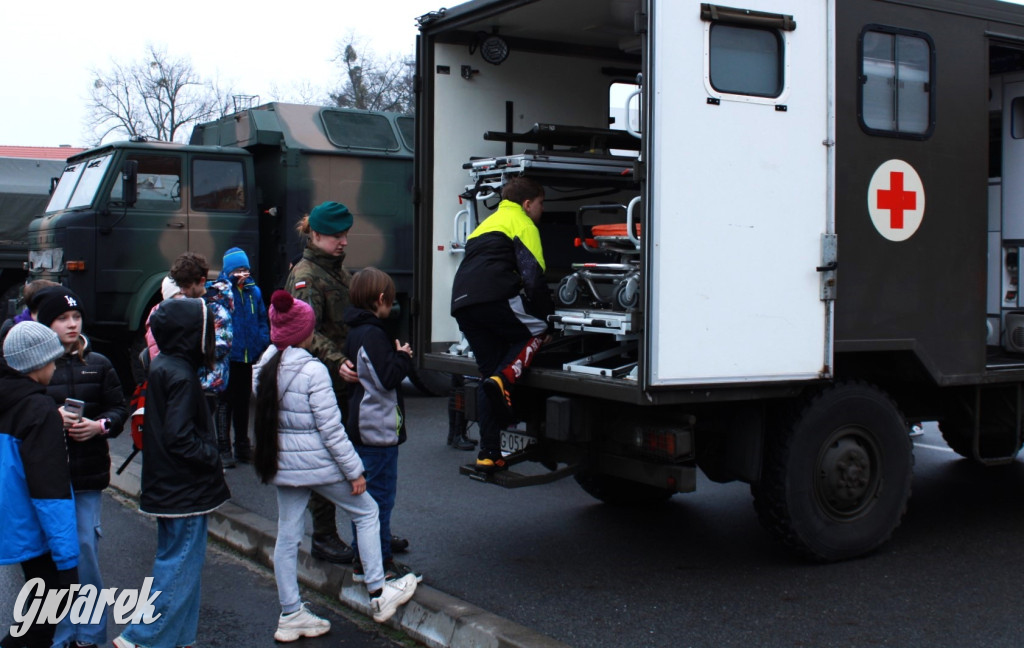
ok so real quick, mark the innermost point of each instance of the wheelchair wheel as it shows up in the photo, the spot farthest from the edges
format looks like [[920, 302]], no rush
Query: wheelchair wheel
[[627, 294], [568, 290]]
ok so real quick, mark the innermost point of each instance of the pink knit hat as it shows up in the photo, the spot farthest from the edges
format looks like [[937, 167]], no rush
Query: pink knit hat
[[291, 320]]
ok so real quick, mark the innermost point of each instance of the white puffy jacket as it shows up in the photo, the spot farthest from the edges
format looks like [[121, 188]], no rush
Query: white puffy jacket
[[312, 445]]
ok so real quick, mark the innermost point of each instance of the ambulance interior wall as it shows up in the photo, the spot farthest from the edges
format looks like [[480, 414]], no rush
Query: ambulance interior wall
[[543, 88]]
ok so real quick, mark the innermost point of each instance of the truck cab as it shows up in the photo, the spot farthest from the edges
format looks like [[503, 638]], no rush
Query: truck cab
[[114, 251]]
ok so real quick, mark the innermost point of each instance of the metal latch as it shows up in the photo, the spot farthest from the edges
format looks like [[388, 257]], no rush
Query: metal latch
[[829, 263]]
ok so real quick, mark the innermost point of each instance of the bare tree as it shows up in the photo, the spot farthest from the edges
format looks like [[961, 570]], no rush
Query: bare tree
[[373, 83], [155, 98]]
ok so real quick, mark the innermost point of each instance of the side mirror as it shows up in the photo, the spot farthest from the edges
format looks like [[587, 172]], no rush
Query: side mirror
[[53, 184], [130, 182]]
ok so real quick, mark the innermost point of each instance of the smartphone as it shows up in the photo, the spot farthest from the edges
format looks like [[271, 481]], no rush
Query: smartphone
[[74, 407]]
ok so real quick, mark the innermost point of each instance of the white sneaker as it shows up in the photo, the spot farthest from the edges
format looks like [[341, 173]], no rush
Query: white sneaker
[[121, 642], [301, 623], [916, 430], [396, 592]]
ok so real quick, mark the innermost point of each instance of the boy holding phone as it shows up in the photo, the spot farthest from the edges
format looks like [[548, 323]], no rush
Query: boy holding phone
[[92, 406]]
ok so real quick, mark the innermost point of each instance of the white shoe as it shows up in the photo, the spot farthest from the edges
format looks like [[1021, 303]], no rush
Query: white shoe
[[301, 623], [916, 430], [121, 642], [396, 592]]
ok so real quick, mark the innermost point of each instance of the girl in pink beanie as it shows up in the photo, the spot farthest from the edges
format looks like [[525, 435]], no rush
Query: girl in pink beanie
[[302, 447]]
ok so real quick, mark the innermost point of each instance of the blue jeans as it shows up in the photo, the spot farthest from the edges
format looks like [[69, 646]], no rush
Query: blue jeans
[[381, 466], [87, 514], [177, 575]]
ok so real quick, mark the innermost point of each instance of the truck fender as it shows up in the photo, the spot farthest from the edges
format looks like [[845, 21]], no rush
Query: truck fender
[[138, 307]]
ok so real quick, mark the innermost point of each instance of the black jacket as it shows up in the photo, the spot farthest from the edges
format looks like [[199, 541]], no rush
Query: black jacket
[[181, 468], [94, 381], [376, 409]]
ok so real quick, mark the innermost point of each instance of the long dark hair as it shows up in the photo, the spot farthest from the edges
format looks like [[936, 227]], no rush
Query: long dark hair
[[265, 426]]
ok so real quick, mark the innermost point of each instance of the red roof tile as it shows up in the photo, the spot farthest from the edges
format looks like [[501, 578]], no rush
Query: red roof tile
[[39, 152]]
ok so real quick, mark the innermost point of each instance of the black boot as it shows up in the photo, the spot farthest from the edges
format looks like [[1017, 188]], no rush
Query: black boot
[[457, 420], [222, 425], [462, 442], [399, 545], [332, 549]]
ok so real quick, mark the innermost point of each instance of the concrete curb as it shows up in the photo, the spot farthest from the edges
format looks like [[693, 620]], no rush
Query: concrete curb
[[432, 617]]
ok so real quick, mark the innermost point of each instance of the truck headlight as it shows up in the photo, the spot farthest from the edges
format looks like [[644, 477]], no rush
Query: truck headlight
[[46, 259]]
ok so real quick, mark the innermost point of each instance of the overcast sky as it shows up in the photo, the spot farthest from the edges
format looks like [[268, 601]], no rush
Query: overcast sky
[[48, 48]]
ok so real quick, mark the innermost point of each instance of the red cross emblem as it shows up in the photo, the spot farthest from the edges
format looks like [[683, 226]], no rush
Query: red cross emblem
[[895, 199]]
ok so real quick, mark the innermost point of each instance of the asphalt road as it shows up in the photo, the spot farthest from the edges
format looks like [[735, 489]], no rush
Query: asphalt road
[[239, 601], [700, 571]]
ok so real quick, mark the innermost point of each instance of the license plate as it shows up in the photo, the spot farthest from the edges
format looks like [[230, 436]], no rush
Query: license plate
[[512, 442]]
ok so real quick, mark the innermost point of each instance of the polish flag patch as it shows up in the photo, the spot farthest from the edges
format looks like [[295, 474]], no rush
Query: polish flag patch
[[299, 285]]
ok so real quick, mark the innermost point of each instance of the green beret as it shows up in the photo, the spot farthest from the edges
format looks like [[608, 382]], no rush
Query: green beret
[[330, 218]]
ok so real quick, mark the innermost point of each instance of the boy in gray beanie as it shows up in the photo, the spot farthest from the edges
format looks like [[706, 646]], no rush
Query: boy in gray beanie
[[37, 510]]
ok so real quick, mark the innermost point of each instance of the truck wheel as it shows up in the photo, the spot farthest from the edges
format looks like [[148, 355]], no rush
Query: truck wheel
[[618, 491], [998, 442], [430, 382], [837, 474]]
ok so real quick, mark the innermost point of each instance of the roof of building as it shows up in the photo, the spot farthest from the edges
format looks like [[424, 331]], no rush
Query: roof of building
[[40, 152]]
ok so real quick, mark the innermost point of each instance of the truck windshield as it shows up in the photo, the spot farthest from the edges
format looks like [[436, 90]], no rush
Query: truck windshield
[[78, 184]]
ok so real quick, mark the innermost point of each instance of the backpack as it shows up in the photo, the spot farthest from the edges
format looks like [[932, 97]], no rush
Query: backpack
[[137, 404]]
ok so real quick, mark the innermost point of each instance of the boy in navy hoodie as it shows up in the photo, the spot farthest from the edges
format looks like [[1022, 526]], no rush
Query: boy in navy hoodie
[[376, 413]]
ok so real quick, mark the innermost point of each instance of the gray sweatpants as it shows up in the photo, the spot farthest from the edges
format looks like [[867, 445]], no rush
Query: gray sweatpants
[[291, 506]]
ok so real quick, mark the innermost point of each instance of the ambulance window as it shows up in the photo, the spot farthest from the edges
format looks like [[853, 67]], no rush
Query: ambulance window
[[359, 130], [896, 82], [746, 60]]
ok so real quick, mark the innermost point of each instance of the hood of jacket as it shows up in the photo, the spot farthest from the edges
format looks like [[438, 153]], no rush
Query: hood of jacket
[[15, 387], [178, 327], [358, 317], [220, 291]]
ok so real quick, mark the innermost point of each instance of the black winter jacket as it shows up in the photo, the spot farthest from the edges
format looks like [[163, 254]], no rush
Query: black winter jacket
[[376, 409], [181, 470], [94, 381]]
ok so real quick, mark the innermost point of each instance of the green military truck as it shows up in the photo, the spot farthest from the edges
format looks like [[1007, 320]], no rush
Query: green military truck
[[243, 180]]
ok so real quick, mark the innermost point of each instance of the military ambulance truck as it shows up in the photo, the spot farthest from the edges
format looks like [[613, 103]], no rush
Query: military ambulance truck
[[777, 232], [244, 180]]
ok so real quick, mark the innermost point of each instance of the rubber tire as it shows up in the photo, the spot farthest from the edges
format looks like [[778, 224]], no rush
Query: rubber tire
[[620, 492], [565, 299], [620, 292], [431, 383], [836, 433]]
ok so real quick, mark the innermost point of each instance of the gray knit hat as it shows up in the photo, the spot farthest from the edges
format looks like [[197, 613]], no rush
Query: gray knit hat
[[30, 346]]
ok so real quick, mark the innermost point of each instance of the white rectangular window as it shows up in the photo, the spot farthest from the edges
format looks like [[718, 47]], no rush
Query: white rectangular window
[[896, 82]]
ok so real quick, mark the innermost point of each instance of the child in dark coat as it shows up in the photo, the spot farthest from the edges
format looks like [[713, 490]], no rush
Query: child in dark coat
[[37, 509], [376, 416]]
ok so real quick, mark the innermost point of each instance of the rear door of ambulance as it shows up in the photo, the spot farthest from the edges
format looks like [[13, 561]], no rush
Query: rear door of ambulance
[[739, 131]]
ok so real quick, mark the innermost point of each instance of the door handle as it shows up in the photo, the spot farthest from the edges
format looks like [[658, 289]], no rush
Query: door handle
[[178, 225]]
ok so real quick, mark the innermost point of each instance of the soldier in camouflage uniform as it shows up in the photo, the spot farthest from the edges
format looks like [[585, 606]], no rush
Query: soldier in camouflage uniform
[[321, 280]]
